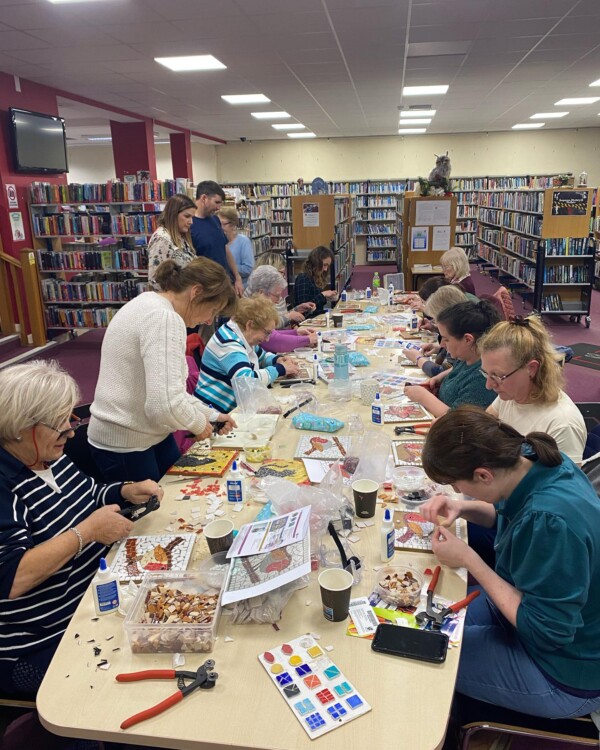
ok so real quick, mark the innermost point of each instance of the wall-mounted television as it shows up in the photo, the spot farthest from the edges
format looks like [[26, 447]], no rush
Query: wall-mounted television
[[40, 142]]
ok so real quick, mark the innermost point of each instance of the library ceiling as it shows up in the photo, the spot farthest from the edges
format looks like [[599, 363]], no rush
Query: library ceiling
[[338, 67]]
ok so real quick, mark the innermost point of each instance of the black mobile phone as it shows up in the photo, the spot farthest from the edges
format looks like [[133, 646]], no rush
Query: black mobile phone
[[425, 645]]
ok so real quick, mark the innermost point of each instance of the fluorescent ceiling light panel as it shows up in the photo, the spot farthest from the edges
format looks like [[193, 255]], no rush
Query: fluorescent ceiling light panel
[[57, 2], [417, 113], [100, 138], [578, 100], [161, 143], [423, 90], [528, 125], [595, 83], [416, 121], [190, 62], [412, 131], [549, 115], [271, 115], [301, 135], [288, 126], [245, 98]]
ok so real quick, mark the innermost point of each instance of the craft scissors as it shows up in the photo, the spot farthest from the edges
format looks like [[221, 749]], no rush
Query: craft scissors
[[418, 429], [434, 614], [203, 678], [135, 512]]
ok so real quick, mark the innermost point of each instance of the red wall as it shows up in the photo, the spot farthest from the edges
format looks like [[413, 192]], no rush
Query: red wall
[[38, 99]]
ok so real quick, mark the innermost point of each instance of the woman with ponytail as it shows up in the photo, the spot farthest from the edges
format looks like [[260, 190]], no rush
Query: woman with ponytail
[[460, 327], [531, 639], [141, 393]]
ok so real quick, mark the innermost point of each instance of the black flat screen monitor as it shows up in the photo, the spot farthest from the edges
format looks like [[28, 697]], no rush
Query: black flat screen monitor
[[40, 142]]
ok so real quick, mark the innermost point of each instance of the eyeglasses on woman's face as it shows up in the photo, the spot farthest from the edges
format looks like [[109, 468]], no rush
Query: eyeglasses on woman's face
[[74, 424], [498, 379]]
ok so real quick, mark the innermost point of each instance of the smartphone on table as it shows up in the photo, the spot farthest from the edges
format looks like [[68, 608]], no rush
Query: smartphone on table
[[424, 645]]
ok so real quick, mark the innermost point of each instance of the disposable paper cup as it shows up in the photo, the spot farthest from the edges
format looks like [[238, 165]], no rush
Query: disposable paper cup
[[368, 388], [336, 588], [365, 496], [338, 319], [219, 535]]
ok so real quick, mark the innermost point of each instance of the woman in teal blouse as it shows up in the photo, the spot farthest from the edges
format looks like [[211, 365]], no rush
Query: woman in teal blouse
[[532, 642], [460, 326]]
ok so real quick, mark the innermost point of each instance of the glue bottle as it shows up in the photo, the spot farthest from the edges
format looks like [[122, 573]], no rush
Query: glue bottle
[[105, 588], [316, 368], [320, 342], [368, 293], [235, 485], [414, 321], [327, 318], [344, 295], [376, 410], [387, 537], [391, 294]]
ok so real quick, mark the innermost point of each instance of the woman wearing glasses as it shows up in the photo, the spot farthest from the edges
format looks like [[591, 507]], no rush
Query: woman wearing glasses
[[460, 327], [531, 639], [239, 245], [267, 280], [55, 522], [234, 351]]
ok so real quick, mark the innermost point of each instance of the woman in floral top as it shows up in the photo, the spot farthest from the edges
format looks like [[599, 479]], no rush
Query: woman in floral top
[[171, 238]]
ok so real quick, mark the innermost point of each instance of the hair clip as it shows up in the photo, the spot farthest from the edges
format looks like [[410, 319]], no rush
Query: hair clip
[[519, 320]]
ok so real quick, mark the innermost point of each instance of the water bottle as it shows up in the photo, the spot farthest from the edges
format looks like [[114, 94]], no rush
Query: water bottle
[[376, 280], [340, 362], [376, 410], [344, 295], [368, 293]]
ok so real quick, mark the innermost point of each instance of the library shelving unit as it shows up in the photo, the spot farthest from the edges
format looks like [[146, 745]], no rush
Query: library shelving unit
[[595, 228], [91, 247], [539, 242], [257, 224], [281, 222]]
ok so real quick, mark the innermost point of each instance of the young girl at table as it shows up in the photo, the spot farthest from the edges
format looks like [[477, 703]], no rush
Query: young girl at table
[[460, 327], [530, 641]]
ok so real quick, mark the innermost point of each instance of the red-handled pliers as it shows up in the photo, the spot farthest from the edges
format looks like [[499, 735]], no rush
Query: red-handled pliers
[[203, 678], [434, 614]]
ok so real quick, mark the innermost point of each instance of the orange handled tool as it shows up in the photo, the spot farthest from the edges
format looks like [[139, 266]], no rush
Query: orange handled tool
[[433, 614], [203, 678]]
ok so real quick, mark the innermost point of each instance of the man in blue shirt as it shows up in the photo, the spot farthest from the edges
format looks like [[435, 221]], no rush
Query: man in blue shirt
[[207, 234]]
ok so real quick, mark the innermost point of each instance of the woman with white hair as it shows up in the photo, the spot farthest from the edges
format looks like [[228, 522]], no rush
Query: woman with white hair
[[455, 266], [298, 313], [55, 522], [269, 282]]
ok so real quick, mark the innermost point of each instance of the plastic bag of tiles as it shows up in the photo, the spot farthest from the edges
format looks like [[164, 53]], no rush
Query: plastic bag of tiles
[[285, 497], [253, 397], [265, 608]]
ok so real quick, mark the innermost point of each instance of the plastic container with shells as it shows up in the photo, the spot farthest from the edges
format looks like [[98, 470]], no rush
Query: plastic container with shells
[[400, 586]]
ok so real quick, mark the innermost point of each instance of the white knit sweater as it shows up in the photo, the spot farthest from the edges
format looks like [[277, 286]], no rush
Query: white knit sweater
[[141, 392]]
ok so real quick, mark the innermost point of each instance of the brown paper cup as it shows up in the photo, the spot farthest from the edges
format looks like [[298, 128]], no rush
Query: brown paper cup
[[336, 588], [365, 496], [219, 535]]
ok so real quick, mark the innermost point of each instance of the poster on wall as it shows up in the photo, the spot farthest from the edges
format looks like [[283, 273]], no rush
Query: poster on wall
[[441, 239], [569, 203], [310, 214], [419, 239], [16, 225], [428, 212], [11, 194]]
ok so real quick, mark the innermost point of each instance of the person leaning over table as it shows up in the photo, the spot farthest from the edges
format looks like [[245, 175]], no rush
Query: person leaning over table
[[267, 281], [444, 297], [234, 352], [455, 265], [239, 245], [531, 642], [141, 396], [172, 239], [55, 522], [311, 285], [460, 327], [287, 317]]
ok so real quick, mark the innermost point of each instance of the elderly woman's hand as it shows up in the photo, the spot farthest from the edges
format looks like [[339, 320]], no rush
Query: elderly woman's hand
[[105, 525], [141, 492], [305, 307], [312, 337], [295, 316], [291, 366]]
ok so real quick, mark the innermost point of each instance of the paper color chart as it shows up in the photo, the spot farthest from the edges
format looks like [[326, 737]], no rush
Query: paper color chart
[[316, 690]]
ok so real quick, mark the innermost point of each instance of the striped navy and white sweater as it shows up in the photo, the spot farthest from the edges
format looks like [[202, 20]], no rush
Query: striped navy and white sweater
[[227, 357], [31, 512]]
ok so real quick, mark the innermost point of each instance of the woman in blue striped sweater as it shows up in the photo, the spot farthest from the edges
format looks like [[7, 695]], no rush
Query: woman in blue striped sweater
[[55, 522], [234, 352]]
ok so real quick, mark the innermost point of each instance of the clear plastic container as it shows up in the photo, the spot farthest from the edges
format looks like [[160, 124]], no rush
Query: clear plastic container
[[400, 586], [156, 621], [340, 390], [256, 454]]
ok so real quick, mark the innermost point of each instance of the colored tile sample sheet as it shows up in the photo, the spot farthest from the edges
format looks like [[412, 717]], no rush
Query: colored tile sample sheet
[[319, 695]]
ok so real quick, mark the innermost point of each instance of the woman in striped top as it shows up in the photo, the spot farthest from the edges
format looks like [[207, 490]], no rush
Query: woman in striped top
[[55, 522]]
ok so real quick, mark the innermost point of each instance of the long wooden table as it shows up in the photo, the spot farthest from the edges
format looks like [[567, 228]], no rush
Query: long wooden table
[[410, 700]]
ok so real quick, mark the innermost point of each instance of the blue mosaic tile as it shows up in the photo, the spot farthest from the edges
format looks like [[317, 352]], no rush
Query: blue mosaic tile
[[303, 707], [303, 669], [354, 701], [337, 711], [283, 679], [332, 672], [343, 688], [315, 721]]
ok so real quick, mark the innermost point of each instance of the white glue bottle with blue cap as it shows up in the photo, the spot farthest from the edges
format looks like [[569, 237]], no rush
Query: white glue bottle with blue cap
[[105, 588], [316, 368], [235, 484], [368, 293], [414, 321], [388, 536], [376, 410], [320, 342]]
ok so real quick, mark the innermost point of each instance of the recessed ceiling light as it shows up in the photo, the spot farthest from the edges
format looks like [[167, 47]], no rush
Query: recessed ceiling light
[[100, 138], [301, 135], [246, 98], [190, 62], [417, 113], [423, 90], [271, 115], [288, 126], [161, 143], [578, 100], [416, 121], [595, 83], [528, 125], [412, 131], [543, 115], [56, 2]]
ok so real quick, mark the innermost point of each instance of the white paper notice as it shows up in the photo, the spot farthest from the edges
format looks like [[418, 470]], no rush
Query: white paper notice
[[310, 214], [363, 617], [432, 212], [16, 224], [265, 536], [441, 238], [419, 239]]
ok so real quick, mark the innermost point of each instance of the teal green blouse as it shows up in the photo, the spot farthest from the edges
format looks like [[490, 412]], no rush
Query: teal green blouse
[[465, 385]]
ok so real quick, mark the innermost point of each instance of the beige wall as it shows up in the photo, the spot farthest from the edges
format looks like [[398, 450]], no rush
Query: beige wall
[[204, 161], [412, 156]]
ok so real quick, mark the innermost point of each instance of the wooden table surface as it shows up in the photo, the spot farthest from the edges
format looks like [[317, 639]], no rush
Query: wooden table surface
[[410, 699]]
